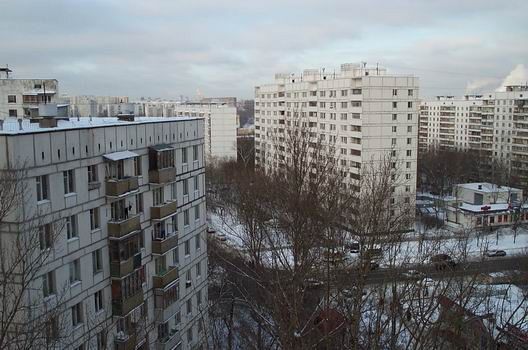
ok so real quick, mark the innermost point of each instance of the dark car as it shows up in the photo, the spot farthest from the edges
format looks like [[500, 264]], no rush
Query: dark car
[[442, 261], [494, 253]]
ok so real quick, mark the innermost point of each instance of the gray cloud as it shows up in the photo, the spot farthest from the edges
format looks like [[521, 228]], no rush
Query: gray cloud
[[169, 48]]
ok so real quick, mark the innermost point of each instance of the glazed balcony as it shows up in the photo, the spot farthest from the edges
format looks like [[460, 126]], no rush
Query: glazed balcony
[[162, 176], [119, 229], [163, 280], [163, 210], [162, 246], [120, 269], [120, 187], [125, 305]]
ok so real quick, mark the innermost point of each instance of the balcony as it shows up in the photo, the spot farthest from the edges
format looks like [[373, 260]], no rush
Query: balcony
[[162, 246], [170, 342], [119, 269], [125, 305], [164, 210], [163, 280], [162, 176], [119, 187], [128, 342], [119, 229]]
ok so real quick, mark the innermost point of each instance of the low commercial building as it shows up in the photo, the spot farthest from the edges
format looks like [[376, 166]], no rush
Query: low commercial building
[[486, 205]]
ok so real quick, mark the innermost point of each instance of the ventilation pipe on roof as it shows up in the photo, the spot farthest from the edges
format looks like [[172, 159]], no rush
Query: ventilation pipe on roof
[[19, 124]]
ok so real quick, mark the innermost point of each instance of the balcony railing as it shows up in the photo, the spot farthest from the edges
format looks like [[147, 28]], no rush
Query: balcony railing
[[164, 210], [170, 342], [162, 176], [163, 280], [119, 187], [125, 305], [120, 269], [126, 343], [118, 229], [163, 246]]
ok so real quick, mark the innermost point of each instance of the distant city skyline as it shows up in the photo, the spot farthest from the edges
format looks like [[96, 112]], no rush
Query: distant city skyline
[[166, 49]]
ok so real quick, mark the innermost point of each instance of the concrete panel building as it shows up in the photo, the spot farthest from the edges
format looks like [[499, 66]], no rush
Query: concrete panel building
[[365, 113], [129, 267]]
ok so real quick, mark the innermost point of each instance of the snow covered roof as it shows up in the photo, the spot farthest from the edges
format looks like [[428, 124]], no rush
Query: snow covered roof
[[11, 126], [487, 187], [485, 208], [120, 155]]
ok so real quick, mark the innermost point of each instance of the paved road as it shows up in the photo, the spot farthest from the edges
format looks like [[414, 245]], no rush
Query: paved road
[[497, 264]]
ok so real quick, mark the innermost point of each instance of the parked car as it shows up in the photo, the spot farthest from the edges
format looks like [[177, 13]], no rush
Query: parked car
[[354, 247], [495, 252], [373, 265], [413, 274], [221, 237], [442, 261], [211, 230]]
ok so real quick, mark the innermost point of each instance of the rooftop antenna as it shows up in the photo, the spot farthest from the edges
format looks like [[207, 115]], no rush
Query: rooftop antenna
[[377, 68]]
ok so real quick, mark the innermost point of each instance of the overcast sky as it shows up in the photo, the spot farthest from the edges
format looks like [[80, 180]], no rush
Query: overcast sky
[[168, 48]]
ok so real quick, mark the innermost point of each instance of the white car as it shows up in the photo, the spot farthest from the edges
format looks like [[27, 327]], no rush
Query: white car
[[221, 237], [494, 252]]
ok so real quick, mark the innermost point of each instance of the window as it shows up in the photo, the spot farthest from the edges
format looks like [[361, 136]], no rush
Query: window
[[189, 335], [199, 269], [409, 140], [175, 256], [48, 283], [408, 165], [139, 203], [186, 217], [196, 183], [409, 116], [137, 166], [174, 191], [197, 242], [189, 306], [94, 219], [394, 104], [75, 271], [13, 113], [97, 260], [344, 93], [394, 128], [68, 181], [394, 92], [394, 117], [98, 300], [42, 188], [199, 298], [157, 194], [11, 98], [195, 153], [186, 187], [76, 312], [92, 173], [101, 340], [52, 330], [197, 213], [184, 155], [409, 104], [409, 92], [71, 227], [407, 176], [409, 128], [187, 248], [45, 237]]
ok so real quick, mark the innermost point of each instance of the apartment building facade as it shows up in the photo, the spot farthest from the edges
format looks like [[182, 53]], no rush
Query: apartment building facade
[[221, 123], [129, 266], [365, 113], [99, 106], [495, 125], [20, 98]]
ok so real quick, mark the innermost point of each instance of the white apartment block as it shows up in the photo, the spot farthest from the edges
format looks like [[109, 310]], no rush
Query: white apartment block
[[221, 123], [99, 106], [494, 124], [365, 113], [450, 123], [130, 265], [20, 98]]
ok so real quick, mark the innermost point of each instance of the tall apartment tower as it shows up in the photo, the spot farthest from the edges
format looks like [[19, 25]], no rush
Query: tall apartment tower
[[365, 113], [21, 98], [494, 124], [129, 267]]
